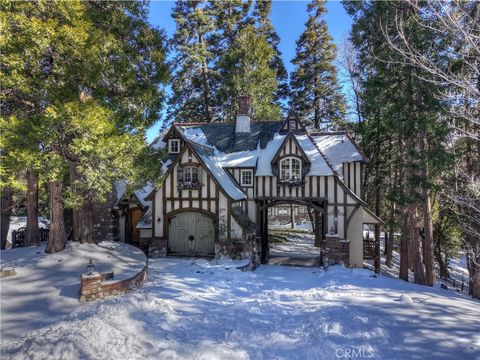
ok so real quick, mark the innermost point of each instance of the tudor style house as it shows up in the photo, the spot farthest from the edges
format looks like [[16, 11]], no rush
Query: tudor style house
[[221, 179]]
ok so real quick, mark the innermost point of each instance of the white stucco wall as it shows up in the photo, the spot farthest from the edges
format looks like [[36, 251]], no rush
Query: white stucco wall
[[355, 236]]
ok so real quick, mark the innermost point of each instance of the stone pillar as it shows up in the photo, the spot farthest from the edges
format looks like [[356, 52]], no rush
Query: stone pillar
[[91, 287], [336, 251]]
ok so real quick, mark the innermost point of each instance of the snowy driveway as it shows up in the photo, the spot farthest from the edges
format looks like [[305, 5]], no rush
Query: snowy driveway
[[195, 309]]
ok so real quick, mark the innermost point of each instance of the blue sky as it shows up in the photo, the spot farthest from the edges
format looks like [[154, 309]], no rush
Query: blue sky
[[288, 18]]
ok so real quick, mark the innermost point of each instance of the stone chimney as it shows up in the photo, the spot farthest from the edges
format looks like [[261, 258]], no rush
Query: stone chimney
[[243, 115]]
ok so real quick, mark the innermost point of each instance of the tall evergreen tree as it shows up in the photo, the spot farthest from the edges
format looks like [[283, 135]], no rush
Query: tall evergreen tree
[[315, 92], [194, 77], [245, 69], [404, 135], [261, 15], [229, 17]]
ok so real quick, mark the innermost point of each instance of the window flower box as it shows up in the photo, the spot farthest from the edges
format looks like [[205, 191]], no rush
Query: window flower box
[[293, 182], [189, 185]]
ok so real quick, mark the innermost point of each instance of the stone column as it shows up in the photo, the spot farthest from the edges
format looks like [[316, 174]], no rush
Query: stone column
[[91, 287]]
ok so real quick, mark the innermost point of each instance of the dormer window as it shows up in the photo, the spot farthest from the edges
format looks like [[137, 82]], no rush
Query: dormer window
[[290, 169], [292, 124], [173, 146]]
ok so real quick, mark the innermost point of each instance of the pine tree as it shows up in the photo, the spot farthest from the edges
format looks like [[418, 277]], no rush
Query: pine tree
[[261, 13], [245, 69], [404, 135], [229, 17], [316, 94], [194, 76]]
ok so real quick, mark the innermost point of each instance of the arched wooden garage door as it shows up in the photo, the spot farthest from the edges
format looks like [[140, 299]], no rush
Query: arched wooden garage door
[[192, 234]]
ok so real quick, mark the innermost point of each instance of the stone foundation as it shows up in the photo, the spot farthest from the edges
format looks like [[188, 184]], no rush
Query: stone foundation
[[156, 247], [94, 288], [235, 249], [336, 251]]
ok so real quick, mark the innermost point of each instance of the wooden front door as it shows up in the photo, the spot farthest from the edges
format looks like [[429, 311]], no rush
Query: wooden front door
[[135, 216], [191, 234]]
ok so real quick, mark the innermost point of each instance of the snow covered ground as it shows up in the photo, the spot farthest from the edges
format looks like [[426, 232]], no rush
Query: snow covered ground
[[298, 245], [200, 309], [306, 226], [457, 268], [47, 286]]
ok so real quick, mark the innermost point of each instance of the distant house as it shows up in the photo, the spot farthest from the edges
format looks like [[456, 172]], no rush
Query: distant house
[[221, 179]]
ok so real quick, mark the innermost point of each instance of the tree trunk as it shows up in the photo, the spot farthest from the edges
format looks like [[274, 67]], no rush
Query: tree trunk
[[389, 246], [83, 214], [206, 85], [377, 227], [83, 223], [428, 250], [57, 236], [404, 251], [418, 266], [6, 212], [473, 265], [441, 261], [32, 231], [389, 238]]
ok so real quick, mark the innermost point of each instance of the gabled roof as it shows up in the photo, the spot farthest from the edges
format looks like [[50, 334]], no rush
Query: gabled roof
[[223, 179], [338, 148], [318, 167], [146, 220], [140, 194], [290, 135], [255, 149], [222, 136]]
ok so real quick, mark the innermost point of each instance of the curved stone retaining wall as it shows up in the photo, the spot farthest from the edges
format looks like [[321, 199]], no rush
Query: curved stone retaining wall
[[93, 287]]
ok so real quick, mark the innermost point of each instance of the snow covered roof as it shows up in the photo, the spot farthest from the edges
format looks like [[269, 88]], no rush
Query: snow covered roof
[[255, 149], [213, 164], [264, 165], [222, 136], [338, 149], [220, 147], [141, 194], [146, 220], [319, 166]]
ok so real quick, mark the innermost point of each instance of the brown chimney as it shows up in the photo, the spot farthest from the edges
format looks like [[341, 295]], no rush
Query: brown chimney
[[244, 105], [243, 115]]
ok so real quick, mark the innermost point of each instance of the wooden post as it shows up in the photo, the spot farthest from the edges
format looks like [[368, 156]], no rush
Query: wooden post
[[265, 232], [317, 229], [292, 217], [377, 249]]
